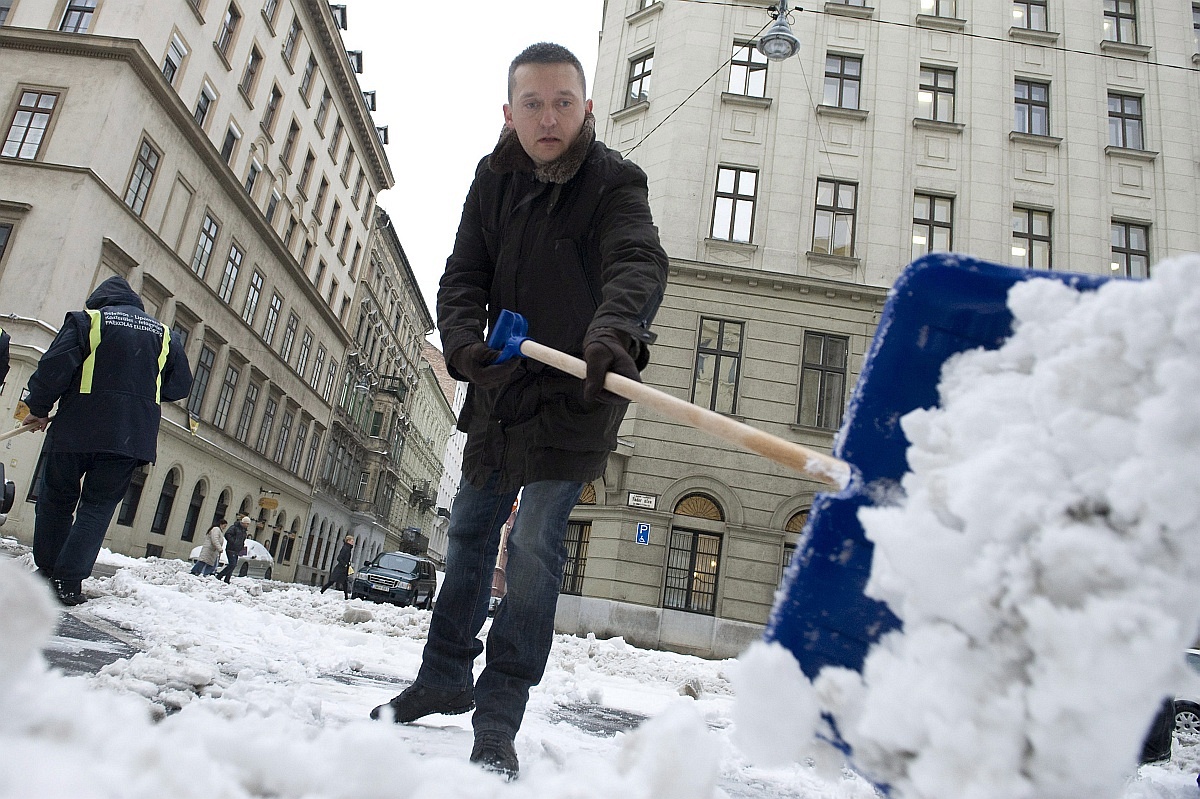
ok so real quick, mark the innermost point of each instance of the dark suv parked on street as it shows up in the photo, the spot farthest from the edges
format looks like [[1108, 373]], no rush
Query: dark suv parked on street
[[398, 578]]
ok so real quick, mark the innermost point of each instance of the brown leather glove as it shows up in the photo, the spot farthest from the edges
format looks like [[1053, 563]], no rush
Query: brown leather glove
[[606, 349], [477, 363]]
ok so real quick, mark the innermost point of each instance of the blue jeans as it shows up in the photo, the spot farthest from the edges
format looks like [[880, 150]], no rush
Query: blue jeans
[[71, 521], [202, 569], [522, 631]]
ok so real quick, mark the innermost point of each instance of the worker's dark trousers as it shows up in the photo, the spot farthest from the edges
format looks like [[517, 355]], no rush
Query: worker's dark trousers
[[71, 520]]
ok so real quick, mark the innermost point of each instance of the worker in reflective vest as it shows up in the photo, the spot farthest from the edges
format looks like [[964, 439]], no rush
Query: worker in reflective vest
[[108, 369]]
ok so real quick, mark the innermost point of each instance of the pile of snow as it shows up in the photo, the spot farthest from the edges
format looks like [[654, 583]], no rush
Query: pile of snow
[[1043, 560]]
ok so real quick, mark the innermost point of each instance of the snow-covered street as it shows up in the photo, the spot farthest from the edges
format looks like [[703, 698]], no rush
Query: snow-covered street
[[262, 689]]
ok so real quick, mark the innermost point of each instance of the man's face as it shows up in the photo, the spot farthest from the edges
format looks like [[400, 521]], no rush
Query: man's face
[[547, 109]]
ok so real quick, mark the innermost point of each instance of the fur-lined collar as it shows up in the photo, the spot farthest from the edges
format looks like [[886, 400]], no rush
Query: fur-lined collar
[[510, 156]]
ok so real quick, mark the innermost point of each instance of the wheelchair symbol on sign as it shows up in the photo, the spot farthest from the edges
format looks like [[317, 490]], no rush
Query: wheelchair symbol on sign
[[643, 533]]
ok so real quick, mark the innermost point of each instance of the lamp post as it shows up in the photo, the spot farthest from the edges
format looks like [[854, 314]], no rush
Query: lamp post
[[779, 43]]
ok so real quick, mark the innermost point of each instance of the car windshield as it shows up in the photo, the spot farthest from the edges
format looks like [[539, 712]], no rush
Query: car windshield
[[400, 563]]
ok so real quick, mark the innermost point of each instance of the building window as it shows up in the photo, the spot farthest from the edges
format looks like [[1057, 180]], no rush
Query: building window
[[204, 104], [346, 164], [250, 75], [142, 177], [247, 414], [318, 365], [285, 433], [232, 136], [718, 365], [289, 42], [252, 174], [335, 140], [204, 246], [176, 52], [1120, 21], [1031, 238], [252, 294], [28, 126], [289, 337], [733, 211], [358, 186], [5, 7], [182, 332], [693, 565], [933, 219], [789, 554], [843, 80], [310, 462], [330, 376], [298, 450], [305, 348], [833, 228], [166, 498], [1125, 121], [823, 380], [639, 80], [306, 79], [319, 202], [204, 368], [939, 8], [306, 173], [935, 97], [1196, 27], [193, 513], [233, 265], [576, 543], [225, 398], [229, 26], [748, 71], [78, 16], [5, 234], [272, 110], [1032, 109], [272, 207], [1030, 15], [272, 317], [323, 110], [133, 498], [268, 421], [289, 145], [270, 8], [1130, 250]]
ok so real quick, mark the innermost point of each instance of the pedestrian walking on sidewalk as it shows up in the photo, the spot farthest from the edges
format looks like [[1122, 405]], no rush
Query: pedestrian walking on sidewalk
[[339, 575], [108, 369], [556, 227], [210, 553], [235, 542]]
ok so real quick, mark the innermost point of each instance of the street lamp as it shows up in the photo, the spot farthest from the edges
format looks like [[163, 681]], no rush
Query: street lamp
[[779, 43]]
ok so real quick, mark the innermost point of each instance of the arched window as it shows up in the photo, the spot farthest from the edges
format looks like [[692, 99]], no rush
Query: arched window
[[797, 522], [222, 506], [133, 497], [308, 545], [166, 499], [699, 506], [193, 512], [588, 497]]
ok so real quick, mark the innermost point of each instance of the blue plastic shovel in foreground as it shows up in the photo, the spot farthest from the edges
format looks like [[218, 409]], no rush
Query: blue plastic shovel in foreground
[[509, 336]]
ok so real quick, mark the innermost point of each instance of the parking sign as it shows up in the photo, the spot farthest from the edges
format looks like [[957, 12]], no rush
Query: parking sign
[[643, 533]]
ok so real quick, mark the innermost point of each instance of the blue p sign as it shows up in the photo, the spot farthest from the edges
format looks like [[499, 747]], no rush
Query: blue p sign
[[643, 533]]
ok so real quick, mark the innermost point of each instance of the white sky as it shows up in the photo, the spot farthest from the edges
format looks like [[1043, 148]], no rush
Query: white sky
[[1043, 561], [440, 71]]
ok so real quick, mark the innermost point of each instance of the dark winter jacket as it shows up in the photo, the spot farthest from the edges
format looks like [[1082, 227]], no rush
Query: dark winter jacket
[[119, 412], [235, 540], [571, 246], [5, 340], [341, 565]]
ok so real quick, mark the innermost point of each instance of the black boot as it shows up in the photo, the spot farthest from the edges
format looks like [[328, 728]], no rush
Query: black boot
[[69, 592], [416, 701], [495, 752]]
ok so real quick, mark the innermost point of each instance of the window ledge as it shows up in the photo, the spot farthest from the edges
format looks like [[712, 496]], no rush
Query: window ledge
[[807, 428], [734, 245], [844, 113], [629, 111], [196, 10], [733, 98], [847, 10], [288, 63], [1136, 155], [12, 207], [847, 261], [1125, 49], [1034, 138], [1032, 35], [267, 133], [937, 124], [221, 56], [1196, 58], [643, 13], [246, 97], [941, 23], [266, 19]]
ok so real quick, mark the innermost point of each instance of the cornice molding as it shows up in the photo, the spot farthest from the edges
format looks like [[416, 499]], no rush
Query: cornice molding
[[705, 271]]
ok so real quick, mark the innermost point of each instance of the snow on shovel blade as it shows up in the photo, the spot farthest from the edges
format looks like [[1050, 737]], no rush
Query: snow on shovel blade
[[940, 305]]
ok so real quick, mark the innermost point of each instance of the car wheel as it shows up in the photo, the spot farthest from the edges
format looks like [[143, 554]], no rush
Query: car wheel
[[242, 572], [428, 603], [267, 574], [1187, 720]]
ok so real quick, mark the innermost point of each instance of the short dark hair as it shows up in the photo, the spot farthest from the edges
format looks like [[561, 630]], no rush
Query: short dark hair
[[545, 53]]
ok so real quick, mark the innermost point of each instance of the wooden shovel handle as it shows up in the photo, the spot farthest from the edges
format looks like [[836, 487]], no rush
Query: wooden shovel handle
[[810, 463], [16, 431]]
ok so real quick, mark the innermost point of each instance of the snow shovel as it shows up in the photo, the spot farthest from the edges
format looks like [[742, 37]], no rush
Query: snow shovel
[[509, 336], [940, 305]]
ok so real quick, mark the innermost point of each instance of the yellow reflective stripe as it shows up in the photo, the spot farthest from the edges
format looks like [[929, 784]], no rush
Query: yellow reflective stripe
[[162, 363], [89, 363]]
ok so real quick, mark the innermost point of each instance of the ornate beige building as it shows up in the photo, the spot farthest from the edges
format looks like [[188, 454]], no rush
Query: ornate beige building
[[1044, 133], [221, 156]]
